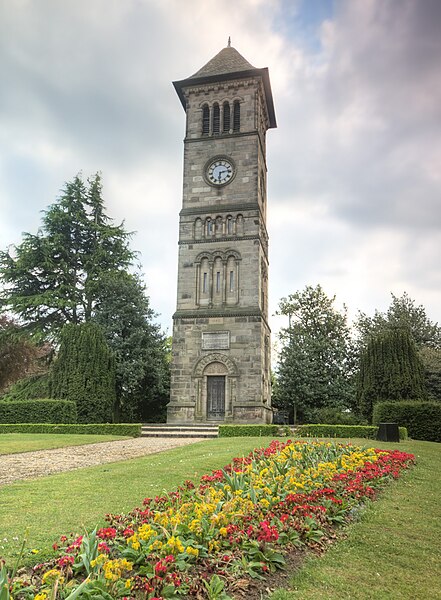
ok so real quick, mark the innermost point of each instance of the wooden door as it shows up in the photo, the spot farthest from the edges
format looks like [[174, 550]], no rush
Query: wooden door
[[215, 397]]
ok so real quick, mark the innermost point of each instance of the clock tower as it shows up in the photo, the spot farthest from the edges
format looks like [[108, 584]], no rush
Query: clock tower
[[221, 338]]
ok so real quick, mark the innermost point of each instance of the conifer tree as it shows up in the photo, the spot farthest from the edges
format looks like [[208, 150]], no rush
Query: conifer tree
[[52, 277], [390, 369], [84, 372]]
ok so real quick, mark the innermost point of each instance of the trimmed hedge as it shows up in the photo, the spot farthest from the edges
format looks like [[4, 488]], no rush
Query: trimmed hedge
[[125, 429], [247, 430], [343, 431], [41, 410], [422, 419]]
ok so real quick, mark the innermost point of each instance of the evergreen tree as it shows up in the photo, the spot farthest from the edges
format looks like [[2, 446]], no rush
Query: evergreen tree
[[52, 277], [316, 367], [431, 359], [390, 369], [402, 312], [142, 369], [84, 372]]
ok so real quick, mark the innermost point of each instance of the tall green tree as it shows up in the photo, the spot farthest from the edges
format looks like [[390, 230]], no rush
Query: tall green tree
[[84, 371], [390, 369], [402, 312], [431, 359], [51, 278], [142, 367], [316, 365]]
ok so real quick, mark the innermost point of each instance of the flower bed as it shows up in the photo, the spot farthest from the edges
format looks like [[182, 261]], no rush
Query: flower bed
[[202, 540]]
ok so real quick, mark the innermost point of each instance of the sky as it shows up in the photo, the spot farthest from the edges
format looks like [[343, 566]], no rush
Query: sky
[[354, 167]]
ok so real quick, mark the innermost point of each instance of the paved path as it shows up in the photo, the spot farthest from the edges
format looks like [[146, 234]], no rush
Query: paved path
[[28, 465]]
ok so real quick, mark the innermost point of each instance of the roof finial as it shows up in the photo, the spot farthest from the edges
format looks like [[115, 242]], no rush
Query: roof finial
[[229, 42]]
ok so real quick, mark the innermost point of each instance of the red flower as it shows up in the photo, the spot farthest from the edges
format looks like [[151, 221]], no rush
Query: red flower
[[106, 533], [66, 561]]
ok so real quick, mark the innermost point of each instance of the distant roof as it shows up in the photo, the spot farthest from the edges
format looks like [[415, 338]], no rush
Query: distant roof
[[226, 65], [228, 60]]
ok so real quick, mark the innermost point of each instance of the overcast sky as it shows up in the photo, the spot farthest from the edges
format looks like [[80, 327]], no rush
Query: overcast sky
[[354, 166]]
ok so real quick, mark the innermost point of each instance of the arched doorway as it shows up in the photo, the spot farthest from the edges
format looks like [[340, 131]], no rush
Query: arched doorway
[[215, 378]]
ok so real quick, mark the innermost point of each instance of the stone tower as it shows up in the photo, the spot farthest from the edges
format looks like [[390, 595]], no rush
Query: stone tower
[[221, 337]]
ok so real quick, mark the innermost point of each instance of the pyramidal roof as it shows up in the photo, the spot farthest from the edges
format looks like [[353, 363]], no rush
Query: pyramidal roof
[[226, 65], [228, 60]]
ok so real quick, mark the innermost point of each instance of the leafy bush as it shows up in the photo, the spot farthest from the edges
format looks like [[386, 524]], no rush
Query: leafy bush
[[343, 431], [124, 429], [38, 411], [336, 416], [247, 430], [422, 419]]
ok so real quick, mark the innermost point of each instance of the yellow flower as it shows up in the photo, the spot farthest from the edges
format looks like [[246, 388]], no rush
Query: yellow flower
[[223, 531], [41, 596], [51, 576], [192, 551]]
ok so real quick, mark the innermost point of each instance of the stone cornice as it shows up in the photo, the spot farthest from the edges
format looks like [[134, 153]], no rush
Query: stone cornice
[[224, 208], [234, 311]]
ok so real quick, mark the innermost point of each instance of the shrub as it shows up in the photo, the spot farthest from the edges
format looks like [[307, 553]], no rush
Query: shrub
[[38, 411], [247, 430], [422, 419], [343, 431], [390, 367], [85, 372], [124, 429]]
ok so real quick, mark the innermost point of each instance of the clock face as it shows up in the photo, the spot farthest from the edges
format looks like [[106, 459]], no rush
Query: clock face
[[220, 171]]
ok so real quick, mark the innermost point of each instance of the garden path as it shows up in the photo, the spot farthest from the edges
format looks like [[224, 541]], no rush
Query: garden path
[[28, 465]]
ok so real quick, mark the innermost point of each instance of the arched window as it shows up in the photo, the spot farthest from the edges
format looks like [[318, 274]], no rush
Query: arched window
[[208, 227], [236, 116], [229, 225], [197, 229], [216, 118], [205, 119], [227, 120]]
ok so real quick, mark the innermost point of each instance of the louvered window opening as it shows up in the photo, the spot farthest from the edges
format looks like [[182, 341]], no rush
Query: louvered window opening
[[226, 124], [205, 120], [236, 116], [216, 118]]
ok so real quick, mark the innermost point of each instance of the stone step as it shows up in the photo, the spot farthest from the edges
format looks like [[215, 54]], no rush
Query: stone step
[[177, 430]]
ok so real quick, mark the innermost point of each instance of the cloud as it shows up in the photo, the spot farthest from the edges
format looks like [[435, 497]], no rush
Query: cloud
[[354, 171]]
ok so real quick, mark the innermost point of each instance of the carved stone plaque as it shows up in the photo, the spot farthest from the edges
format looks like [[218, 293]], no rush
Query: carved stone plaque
[[216, 340]]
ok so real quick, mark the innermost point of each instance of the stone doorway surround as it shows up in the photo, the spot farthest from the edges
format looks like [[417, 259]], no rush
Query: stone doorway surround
[[215, 364]]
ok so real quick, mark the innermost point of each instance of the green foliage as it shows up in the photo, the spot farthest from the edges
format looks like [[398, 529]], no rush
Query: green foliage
[[122, 429], [343, 431], [403, 312], [35, 386], [422, 419], [85, 373], [316, 362], [247, 430], [336, 416], [42, 410], [141, 354], [17, 352], [51, 278], [390, 369], [431, 359]]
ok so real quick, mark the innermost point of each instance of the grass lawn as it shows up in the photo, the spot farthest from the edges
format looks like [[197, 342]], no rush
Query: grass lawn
[[392, 552], [11, 443], [51, 506]]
